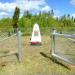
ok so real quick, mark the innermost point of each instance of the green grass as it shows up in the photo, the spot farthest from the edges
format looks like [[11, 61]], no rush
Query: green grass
[[34, 60]]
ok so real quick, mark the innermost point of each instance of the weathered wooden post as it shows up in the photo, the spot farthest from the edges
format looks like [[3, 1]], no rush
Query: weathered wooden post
[[53, 41], [19, 45]]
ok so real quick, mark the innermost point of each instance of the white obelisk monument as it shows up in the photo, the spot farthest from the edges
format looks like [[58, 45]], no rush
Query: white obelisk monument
[[36, 36]]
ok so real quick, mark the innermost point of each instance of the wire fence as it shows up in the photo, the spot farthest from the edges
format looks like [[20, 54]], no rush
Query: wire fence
[[63, 47], [10, 43]]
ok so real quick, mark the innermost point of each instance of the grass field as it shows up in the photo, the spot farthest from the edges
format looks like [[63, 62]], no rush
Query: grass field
[[35, 60]]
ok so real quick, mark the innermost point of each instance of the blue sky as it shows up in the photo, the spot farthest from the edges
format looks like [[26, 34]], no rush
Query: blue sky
[[60, 7], [63, 6]]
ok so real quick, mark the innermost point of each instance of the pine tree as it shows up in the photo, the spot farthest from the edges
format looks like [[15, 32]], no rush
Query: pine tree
[[15, 18], [27, 14]]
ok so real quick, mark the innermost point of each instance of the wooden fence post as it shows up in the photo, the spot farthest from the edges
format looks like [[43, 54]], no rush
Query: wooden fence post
[[19, 45], [53, 41]]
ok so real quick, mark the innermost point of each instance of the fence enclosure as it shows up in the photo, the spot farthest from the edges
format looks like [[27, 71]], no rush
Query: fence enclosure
[[63, 47], [10, 44]]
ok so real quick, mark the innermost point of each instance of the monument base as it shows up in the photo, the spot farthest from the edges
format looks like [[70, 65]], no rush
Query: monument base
[[36, 43]]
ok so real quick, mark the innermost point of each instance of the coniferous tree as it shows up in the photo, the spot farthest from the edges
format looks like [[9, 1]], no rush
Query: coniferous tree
[[15, 18], [27, 14], [52, 12]]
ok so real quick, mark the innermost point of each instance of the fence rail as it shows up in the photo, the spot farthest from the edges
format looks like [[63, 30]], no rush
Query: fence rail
[[7, 43], [63, 47]]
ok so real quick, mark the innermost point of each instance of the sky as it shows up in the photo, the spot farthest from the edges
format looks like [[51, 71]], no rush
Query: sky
[[60, 7]]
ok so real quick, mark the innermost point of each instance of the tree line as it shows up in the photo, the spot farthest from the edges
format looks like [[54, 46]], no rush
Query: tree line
[[44, 19]]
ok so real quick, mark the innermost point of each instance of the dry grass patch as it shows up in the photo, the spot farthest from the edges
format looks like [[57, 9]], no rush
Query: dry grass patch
[[34, 63]]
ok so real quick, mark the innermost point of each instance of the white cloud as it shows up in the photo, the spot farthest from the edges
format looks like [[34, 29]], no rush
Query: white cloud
[[46, 9], [31, 5], [72, 2], [3, 13], [7, 7]]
